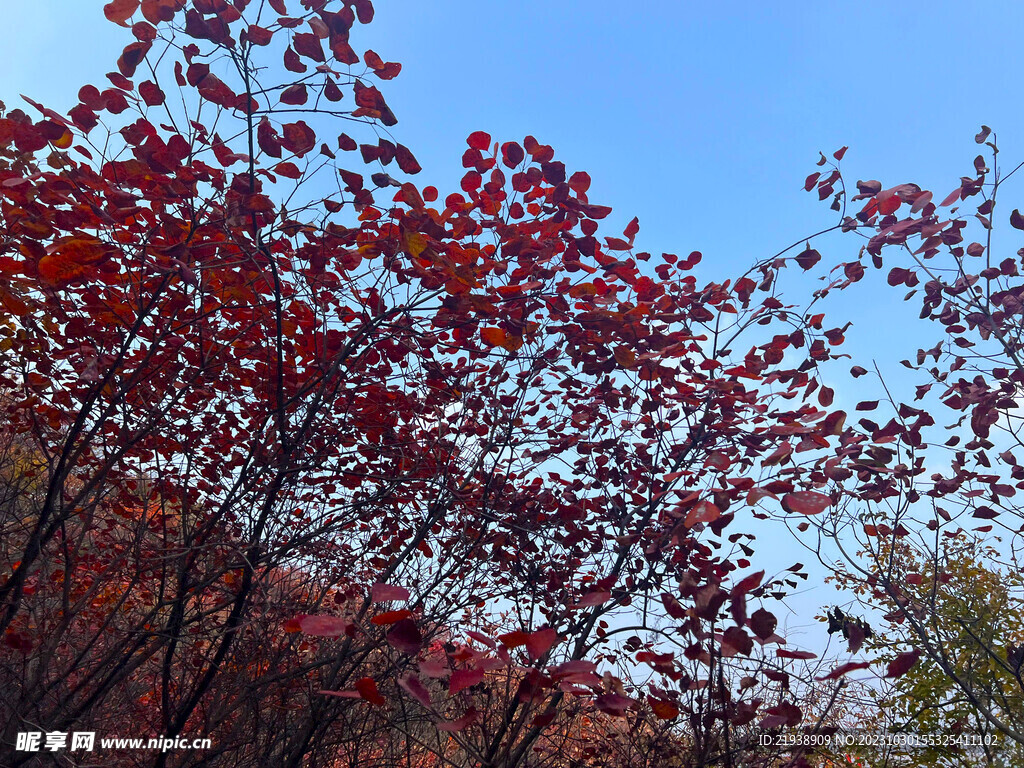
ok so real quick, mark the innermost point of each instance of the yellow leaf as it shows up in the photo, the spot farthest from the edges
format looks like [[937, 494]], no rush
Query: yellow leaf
[[415, 243]]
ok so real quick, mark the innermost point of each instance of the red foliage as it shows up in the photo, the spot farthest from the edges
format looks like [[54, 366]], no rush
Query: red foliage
[[237, 420]]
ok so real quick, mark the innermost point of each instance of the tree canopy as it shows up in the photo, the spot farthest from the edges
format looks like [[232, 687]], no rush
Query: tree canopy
[[335, 469]]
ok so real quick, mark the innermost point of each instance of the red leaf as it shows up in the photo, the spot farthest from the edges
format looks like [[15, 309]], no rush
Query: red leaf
[[780, 715], [594, 598], [844, 669], [390, 617], [614, 704], [579, 182], [364, 11], [735, 640], [481, 638], [341, 694], [267, 138], [151, 93], [288, 170], [702, 512], [514, 639], [803, 655], [119, 11], [753, 581], [538, 643], [887, 205], [383, 593], [464, 678], [384, 70], [405, 160], [434, 668], [308, 45], [631, 229], [298, 138], [854, 271], [453, 726], [581, 672], [808, 258], [495, 337], [512, 154], [902, 663], [132, 55], [415, 688], [367, 688], [258, 35], [320, 626], [157, 11], [479, 140], [806, 502], [951, 198], [471, 181], [292, 62], [921, 201], [371, 104]]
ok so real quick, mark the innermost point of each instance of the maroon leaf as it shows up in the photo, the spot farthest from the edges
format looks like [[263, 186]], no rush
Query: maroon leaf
[[294, 94], [763, 623], [405, 160], [802, 655], [614, 704], [808, 258], [845, 669], [902, 663], [405, 636]]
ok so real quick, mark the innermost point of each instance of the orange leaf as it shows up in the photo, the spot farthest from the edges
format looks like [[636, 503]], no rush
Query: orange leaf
[[57, 269], [665, 710], [494, 337]]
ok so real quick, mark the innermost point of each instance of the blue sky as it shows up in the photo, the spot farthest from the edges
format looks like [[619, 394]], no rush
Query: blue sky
[[702, 120]]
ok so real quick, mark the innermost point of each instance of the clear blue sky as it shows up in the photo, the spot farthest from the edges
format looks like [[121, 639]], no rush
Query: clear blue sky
[[701, 120]]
